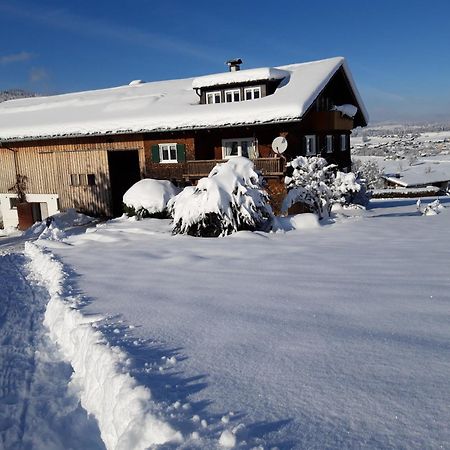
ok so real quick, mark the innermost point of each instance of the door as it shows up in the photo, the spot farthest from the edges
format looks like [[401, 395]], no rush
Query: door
[[124, 171]]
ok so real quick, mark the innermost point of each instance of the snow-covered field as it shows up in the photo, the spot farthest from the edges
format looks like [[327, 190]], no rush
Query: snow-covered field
[[324, 337], [402, 141]]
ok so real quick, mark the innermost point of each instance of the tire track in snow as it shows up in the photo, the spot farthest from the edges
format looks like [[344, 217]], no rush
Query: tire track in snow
[[35, 409]]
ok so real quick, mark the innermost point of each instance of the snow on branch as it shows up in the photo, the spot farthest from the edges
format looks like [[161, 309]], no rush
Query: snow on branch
[[317, 185], [230, 199]]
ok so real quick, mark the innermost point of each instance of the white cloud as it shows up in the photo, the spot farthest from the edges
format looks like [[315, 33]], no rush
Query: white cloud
[[88, 26], [15, 58]]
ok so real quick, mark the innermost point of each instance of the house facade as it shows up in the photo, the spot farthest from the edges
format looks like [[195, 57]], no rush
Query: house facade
[[84, 150]]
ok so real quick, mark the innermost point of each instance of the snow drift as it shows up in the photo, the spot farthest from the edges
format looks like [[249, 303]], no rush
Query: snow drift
[[127, 417]]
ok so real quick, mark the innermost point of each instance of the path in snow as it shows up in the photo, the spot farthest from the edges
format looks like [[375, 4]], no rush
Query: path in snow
[[36, 410]]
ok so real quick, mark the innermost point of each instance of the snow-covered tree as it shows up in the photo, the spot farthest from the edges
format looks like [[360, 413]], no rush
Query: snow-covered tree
[[369, 173], [230, 199], [310, 181], [349, 189], [316, 184]]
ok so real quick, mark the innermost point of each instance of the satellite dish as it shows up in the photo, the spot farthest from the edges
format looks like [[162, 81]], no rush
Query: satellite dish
[[279, 145]]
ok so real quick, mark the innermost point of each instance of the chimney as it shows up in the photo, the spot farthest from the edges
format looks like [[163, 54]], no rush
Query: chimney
[[234, 64]]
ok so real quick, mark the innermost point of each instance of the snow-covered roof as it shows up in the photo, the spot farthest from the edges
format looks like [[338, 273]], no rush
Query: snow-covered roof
[[165, 105], [422, 174], [239, 76]]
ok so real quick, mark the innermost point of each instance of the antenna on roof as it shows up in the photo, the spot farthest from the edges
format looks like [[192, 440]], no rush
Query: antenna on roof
[[234, 64]]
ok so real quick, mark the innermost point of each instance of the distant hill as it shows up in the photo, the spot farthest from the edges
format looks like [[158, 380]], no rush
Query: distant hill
[[11, 94]]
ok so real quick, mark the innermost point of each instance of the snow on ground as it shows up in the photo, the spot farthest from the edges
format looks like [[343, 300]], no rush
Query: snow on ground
[[36, 409], [333, 336], [121, 407], [416, 172]]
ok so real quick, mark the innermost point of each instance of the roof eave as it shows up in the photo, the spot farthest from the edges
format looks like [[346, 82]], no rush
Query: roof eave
[[144, 130]]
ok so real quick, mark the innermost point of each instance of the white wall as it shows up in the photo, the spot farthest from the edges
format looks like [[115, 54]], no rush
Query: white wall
[[10, 218]]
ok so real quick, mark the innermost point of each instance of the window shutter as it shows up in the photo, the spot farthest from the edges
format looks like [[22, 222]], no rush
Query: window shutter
[[155, 153], [181, 153]]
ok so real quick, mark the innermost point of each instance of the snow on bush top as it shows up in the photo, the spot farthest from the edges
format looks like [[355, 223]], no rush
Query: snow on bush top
[[231, 196], [151, 195], [314, 183]]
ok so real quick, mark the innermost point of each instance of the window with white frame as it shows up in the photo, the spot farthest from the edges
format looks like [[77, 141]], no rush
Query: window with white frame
[[168, 153], [233, 95], [344, 142], [310, 144], [213, 97], [239, 147], [252, 93], [329, 143]]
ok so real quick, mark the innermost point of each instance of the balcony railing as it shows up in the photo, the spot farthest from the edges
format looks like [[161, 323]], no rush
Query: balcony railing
[[202, 168]]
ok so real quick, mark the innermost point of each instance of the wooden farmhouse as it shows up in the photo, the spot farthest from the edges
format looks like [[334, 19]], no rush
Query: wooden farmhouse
[[84, 150]]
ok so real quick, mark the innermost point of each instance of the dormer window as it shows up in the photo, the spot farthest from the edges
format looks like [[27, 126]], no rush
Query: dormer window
[[238, 85], [213, 97], [232, 95], [252, 93]]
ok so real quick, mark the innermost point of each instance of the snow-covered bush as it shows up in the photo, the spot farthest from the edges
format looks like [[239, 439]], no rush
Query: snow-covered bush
[[350, 189], [370, 173], [431, 209], [148, 198], [230, 199], [309, 181], [317, 185]]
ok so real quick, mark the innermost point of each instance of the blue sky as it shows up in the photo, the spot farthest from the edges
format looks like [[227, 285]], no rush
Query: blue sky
[[398, 51]]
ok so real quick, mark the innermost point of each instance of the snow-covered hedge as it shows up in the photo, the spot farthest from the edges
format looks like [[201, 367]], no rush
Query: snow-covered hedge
[[148, 198], [317, 185], [230, 199]]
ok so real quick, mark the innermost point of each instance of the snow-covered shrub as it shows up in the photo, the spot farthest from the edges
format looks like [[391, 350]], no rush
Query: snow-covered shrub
[[230, 199], [431, 209], [148, 198], [369, 173], [309, 181], [350, 189], [315, 183]]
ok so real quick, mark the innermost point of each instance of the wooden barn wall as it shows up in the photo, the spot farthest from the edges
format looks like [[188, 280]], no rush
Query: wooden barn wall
[[49, 164], [7, 171]]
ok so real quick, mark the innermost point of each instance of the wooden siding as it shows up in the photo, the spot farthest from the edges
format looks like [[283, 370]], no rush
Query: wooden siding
[[167, 171], [330, 120], [49, 164], [7, 170]]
